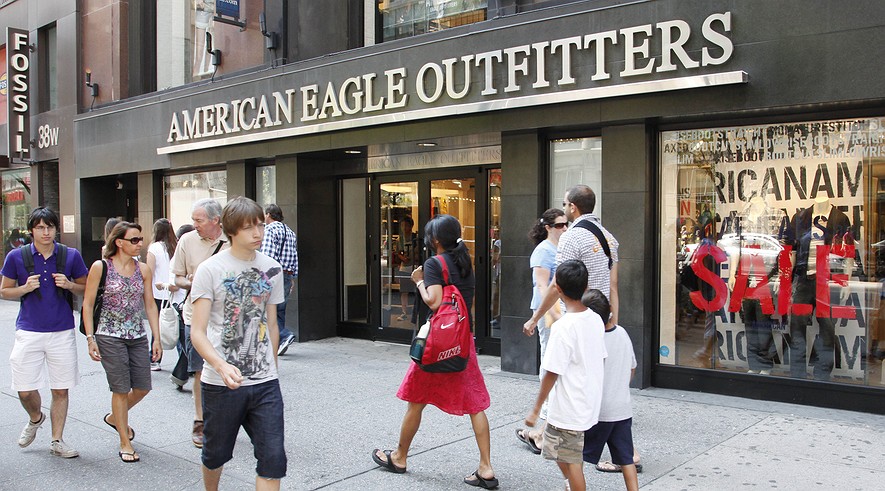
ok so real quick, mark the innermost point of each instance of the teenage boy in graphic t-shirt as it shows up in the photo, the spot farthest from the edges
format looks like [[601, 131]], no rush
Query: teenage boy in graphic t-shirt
[[233, 292], [574, 364]]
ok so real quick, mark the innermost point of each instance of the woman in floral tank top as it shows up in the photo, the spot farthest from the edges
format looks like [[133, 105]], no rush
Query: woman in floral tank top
[[119, 341]]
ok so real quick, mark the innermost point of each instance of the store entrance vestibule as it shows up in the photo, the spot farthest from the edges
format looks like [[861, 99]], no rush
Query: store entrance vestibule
[[398, 206]]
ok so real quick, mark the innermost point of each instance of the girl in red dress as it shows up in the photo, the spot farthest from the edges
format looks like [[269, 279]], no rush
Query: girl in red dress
[[457, 393]]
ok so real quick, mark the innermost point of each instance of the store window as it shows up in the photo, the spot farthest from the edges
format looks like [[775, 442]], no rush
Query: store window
[[575, 161], [47, 38], [772, 257], [182, 190], [406, 18], [185, 28], [266, 185], [16, 198]]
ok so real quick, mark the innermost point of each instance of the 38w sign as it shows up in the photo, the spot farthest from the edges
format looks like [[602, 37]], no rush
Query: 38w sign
[[47, 136]]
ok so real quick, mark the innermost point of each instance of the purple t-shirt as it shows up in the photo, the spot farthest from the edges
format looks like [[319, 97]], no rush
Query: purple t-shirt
[[48, 312]]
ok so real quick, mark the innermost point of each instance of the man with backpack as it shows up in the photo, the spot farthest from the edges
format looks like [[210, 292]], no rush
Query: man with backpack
[[45, 275]]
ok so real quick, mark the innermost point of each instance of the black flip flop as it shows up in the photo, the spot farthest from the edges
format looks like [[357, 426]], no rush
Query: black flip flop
[[520, 434], [480, 482], [131, 431], [387, 464], [135, 458]]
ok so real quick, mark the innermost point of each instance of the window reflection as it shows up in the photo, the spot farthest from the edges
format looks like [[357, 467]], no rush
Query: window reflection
[[771, 249], [406, 18]]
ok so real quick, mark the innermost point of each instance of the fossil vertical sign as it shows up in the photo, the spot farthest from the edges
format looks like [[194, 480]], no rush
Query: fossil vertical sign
[[18, 63]]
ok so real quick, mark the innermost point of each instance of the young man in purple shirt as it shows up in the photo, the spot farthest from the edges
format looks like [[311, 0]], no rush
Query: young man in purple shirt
[[44, 333]]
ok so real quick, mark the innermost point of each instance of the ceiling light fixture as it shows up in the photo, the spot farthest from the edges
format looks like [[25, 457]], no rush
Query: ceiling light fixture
[[353, 152], [426, 144]]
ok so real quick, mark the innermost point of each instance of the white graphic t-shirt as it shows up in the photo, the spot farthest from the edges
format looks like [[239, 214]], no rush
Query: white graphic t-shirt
[[241, 293]]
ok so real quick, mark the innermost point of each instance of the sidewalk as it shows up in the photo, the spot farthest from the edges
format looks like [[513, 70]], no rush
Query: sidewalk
[[340, 404]]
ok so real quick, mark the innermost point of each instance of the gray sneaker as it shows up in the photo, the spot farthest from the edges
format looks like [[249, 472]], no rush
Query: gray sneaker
[[62, 449], [30, 432]]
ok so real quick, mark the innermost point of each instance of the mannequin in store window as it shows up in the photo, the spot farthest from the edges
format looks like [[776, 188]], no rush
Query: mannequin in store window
[[406, 259], [821, 224], [752, 264]]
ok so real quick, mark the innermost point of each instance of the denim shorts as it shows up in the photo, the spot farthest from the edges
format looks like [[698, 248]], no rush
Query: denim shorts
[[619, 437], [194, 360], [259, 410]]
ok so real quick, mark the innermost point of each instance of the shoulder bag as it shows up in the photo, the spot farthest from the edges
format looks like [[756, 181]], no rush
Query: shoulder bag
[[96, 307], [168, 323]]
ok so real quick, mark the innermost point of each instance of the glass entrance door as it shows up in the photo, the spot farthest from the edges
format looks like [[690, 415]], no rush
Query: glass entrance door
[[400, 253], [401, 206]]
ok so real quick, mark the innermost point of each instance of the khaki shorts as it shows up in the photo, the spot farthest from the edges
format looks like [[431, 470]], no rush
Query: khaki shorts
[[566, 446]]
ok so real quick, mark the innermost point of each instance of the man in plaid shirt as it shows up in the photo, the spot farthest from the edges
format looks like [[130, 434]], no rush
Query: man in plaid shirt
[[581, 244], [280, 243]]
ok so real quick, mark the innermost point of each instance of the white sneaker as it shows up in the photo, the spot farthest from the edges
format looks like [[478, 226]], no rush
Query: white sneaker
[[62, 449], [155, 366], [765, 372], [30, 432], [284, 345], [752, 371]]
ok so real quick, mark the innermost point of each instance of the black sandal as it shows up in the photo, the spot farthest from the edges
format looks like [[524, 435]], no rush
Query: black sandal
[[387, 464], [112, 425], [481, 482]]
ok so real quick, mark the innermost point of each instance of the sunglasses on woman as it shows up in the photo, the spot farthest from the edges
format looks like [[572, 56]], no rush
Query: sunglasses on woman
[[134, 240], [560, 225]]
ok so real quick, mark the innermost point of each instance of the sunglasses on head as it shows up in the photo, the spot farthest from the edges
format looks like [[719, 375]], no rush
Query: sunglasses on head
[[134, 240], [560, 225]]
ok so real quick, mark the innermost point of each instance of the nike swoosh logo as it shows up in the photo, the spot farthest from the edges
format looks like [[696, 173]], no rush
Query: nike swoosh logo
[[446, 326]]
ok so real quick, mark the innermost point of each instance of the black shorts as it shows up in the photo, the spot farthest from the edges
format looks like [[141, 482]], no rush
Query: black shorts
[[619, 437]]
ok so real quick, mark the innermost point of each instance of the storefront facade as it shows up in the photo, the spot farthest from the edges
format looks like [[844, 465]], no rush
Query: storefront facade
[[702, 127], [38, 102]]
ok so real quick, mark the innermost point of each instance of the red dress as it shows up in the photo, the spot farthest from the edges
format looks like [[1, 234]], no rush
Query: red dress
[[457, 393]]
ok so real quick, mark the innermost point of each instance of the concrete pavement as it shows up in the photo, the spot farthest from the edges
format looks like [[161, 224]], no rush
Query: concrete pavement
[[340, 404]]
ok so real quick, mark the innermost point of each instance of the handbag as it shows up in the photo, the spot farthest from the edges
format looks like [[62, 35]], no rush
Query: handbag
[[168, 323], [99, 299]]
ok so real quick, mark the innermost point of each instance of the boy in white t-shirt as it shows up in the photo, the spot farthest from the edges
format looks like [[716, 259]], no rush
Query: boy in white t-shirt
[[574, 380], [235, 293], [616, 413]]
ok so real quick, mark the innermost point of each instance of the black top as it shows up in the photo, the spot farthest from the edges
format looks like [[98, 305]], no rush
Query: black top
[[433, 276]]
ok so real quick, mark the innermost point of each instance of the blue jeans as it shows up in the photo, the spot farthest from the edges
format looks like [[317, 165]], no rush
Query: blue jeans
[[288, 278], [259, 410]]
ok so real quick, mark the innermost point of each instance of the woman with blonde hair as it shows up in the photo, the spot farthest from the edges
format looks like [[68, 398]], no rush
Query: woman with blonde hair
[[119, 341]]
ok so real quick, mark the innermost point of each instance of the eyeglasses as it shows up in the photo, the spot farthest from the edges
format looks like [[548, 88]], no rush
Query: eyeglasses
[[560, 225], [43, 229], [134, 240]]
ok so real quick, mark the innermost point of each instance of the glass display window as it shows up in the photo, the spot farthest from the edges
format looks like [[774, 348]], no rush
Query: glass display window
[[406, 18], [16, 186], [266, 185], [575, 161], [772, 259], [183, 190]]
